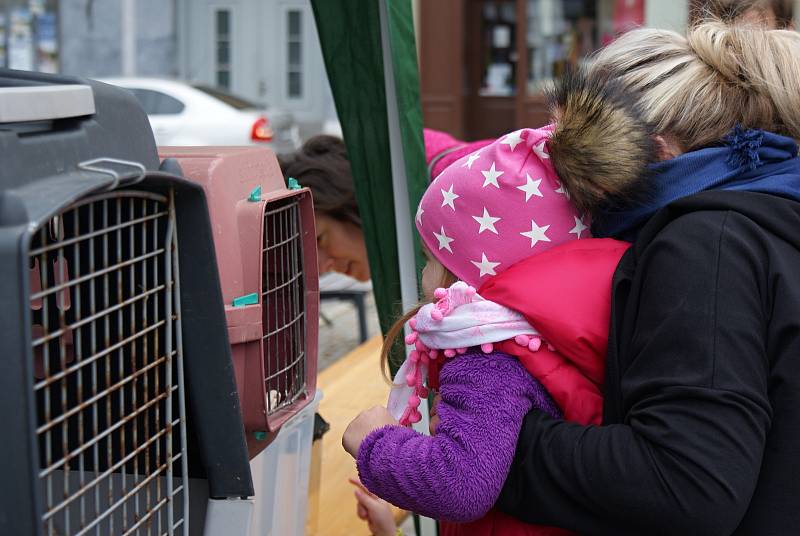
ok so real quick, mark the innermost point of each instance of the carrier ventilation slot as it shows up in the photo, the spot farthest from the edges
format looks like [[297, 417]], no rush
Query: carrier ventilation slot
[[284, 316]]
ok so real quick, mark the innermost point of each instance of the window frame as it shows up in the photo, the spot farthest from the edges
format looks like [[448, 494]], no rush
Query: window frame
[[298, 68], [227, 39]]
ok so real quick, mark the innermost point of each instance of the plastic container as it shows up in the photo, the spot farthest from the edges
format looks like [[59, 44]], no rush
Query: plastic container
[[281, 477], [266, 251]]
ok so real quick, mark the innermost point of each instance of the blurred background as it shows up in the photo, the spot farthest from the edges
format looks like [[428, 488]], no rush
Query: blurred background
[[483, 62], [236, 72], [251, 72]]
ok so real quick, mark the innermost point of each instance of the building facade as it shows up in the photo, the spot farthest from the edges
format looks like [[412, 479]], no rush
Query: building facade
[[265, 50], [93, 38], [484, 63]]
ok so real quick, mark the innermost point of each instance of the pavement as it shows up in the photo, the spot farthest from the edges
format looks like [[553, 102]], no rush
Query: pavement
[[340, 336]]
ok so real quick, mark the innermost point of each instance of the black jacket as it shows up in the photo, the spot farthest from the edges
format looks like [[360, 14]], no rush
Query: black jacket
[[701, 431]]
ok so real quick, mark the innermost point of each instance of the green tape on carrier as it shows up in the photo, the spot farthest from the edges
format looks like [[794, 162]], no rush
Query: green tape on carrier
[[247, 299], [255, 195]]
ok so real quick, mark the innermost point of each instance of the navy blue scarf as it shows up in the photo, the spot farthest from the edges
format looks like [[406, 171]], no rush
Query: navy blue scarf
[[750, 160]]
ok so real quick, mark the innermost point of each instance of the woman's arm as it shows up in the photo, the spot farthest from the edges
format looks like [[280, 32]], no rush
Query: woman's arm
[[457, 474], [686, 458]]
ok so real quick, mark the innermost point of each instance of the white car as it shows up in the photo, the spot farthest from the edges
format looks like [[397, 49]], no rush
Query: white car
[[187, 114]]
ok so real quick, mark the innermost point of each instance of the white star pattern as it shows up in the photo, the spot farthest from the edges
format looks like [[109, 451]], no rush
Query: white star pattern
[[485, 266], [444, 240], [491, 175], [539, 150], [420, 211], [561, 190], [471, 159], [579, 227], [537, 234], [486, 221], [448, 197], [531, 187], [512, 140]]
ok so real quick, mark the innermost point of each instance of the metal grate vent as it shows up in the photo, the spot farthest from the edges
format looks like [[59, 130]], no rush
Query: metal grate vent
[[283, 301], [107, 368]]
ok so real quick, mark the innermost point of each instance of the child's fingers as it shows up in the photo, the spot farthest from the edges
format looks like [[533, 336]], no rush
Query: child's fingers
[[364, 498], [368, 501], [357, 483], [362, 512]]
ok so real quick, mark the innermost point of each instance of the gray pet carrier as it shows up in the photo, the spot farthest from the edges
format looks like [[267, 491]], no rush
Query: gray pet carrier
[[116, 382]]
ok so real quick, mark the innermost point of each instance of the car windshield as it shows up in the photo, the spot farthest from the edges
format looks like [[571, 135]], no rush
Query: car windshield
[[231, 100]]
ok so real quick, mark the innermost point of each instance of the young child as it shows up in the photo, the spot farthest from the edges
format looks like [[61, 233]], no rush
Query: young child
[[518, 320]]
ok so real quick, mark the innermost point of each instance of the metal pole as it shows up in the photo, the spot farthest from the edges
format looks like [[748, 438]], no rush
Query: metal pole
[[128, 34]]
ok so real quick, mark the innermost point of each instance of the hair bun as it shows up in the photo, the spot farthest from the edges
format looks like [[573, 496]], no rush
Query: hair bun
[[719, 46]]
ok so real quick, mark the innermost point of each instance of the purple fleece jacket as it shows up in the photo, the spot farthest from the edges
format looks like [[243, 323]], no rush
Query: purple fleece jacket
[[457, 474]]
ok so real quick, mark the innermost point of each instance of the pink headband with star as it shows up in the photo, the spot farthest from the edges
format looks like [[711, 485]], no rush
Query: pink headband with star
[[497, 206]]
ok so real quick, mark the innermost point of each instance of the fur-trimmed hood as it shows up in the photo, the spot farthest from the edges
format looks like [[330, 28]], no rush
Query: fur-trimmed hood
[[601, 145]]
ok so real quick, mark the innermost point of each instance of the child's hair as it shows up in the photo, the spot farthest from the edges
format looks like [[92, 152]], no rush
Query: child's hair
[[395, 333]]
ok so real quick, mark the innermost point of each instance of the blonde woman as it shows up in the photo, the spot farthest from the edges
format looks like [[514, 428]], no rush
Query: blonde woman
[[701, 423]]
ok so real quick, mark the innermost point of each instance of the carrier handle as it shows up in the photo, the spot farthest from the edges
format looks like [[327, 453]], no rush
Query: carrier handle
[[91, 165], [43, 103]]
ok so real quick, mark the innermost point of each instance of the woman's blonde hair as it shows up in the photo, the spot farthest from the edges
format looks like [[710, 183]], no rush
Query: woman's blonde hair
[[697, 87]]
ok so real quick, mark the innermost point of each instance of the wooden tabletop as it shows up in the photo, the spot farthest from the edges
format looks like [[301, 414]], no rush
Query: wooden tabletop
[[352, 384]]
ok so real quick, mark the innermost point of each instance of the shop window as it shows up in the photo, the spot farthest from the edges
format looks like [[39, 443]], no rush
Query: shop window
[[222, 45], [562, 34], [29, 35], [294, 54], [498, 48]]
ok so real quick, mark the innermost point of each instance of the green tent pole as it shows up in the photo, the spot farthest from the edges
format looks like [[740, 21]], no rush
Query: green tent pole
[[402, 211]]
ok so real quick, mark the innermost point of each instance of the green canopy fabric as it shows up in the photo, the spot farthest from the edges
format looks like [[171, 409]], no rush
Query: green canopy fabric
[[354, 49], [371, 59]]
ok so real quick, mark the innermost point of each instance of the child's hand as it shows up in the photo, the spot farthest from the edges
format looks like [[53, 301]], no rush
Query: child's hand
[[375, 511], [361, 426], [433, 424]]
